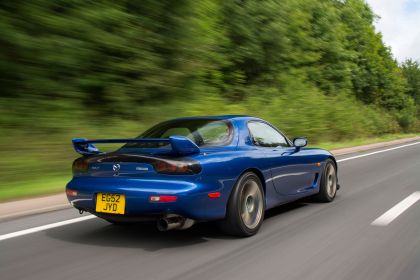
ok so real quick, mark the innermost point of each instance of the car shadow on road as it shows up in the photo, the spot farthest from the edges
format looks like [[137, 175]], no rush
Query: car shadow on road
[[98, 232], [278, 211]]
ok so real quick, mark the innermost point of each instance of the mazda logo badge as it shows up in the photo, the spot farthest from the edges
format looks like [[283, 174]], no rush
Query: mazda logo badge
[[116, 167]]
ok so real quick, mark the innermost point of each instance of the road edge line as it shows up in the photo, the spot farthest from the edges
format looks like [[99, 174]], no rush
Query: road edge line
[[378, 152], [44, 227]]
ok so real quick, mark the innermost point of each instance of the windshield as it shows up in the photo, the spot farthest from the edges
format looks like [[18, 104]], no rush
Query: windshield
[[203, 132]]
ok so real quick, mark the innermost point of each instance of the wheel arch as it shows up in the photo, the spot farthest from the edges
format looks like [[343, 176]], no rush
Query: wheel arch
[[259, 174], [335, 163]]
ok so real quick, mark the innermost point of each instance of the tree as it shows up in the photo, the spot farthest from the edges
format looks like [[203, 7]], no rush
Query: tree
[[411, 71]]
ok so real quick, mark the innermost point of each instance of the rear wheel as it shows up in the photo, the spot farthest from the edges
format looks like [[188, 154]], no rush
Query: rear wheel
[[245, 209], [328, 184]]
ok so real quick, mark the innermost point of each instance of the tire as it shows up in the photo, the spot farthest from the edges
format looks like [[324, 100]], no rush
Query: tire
[[246, 207], [328, 185]]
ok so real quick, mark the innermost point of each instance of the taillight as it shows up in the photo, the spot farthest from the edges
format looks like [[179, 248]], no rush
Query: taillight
[[80, 165], [70, 192], [177, 167]]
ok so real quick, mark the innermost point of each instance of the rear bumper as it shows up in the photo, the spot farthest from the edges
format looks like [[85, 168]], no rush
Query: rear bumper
[[192, 198]]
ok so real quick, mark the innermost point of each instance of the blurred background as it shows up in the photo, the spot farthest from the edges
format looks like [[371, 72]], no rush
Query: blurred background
[[96, 69]]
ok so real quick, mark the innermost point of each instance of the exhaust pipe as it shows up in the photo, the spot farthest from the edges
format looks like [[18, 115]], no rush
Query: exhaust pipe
[[174, 222]]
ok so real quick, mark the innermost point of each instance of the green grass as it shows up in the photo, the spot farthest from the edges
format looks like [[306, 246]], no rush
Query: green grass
[[33, 188], [44, 185], [362, 141]]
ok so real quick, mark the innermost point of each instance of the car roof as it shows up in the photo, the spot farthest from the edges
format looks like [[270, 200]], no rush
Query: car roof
[[221, 117]]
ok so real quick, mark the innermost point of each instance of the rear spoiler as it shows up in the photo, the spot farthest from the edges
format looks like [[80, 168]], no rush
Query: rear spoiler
[[180, 145]]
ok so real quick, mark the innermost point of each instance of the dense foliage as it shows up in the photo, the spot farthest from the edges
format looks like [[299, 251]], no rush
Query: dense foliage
[[411, 71], [111, 68]]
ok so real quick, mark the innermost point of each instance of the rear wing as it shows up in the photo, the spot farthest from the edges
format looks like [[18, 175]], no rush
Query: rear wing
[[180, 145]]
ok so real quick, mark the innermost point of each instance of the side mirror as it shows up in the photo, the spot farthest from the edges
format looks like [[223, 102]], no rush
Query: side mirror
[[300, 142]]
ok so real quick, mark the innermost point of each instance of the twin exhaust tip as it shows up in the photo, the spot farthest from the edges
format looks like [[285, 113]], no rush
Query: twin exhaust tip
[[171, 222]]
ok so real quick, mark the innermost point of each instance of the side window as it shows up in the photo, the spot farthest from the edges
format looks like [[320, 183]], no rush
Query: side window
[[214, 132], [264, 135]]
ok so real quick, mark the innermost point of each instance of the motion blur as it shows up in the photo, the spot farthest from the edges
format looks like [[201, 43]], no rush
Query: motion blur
[[108, 68]]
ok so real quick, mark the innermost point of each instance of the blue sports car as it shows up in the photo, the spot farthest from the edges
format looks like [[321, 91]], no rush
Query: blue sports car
[[225, 168]]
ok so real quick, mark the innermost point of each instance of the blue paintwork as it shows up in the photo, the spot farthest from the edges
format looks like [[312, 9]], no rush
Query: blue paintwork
[[180, 145], [287, 174]]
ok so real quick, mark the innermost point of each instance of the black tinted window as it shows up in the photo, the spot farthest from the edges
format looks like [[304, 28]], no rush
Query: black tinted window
[[265, 136], [203, 132]]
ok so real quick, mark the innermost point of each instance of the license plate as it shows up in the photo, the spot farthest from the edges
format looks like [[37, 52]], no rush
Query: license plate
[[110, 203]]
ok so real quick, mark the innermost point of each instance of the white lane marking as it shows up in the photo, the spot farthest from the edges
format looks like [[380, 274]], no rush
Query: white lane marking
[[41, 228], [84, 218], [378, 152], [39, 210], [397, 210]]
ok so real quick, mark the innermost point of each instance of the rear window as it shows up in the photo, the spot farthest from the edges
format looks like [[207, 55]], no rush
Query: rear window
[[203, 132]]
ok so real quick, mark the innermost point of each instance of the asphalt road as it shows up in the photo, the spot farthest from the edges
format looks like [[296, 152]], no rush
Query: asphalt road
[[302, 240]]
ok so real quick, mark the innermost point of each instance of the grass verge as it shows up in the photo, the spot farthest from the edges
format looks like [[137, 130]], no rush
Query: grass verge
[[33, 188], [362, 141]]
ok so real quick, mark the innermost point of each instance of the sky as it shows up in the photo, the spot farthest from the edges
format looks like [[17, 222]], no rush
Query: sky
[[399, 24]]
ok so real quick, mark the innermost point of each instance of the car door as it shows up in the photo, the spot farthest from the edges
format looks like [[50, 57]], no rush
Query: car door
[[292, 169]]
